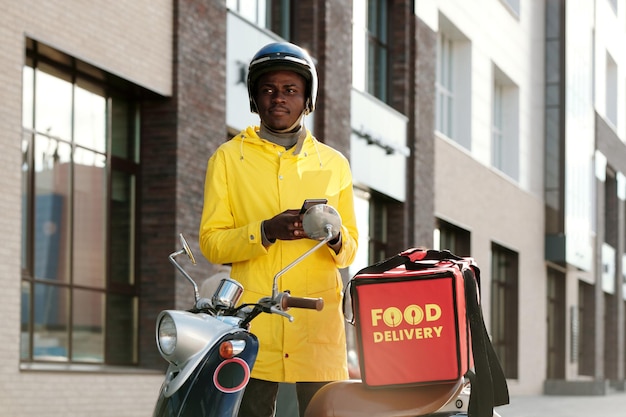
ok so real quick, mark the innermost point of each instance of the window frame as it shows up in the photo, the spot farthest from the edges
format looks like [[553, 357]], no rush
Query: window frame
[[453, 84], [505, 125], [110, 89]]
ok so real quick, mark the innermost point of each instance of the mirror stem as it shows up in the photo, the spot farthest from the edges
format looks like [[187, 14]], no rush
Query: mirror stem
[[328, 238], [182, 271]]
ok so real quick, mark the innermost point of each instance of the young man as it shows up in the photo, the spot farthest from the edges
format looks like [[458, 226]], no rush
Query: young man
[[255, 185]]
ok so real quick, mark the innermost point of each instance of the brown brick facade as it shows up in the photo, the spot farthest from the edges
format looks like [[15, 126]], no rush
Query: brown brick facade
[[178, 136]]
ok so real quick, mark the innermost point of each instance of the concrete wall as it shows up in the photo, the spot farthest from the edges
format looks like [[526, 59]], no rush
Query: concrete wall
[[469, 192]]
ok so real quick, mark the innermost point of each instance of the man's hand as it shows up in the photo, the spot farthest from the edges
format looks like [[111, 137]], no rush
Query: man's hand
[[284, 226]]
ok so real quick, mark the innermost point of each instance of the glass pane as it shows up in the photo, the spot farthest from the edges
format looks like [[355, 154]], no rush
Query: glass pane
[[89, 227], [25, 328], [51, 323], [52, 194], [27, 139], [120, 131], [53, 106], [124, 134], [88, 326], [371, 68], [372, 16], [252, 10], [122, 228], [121, 330], [90, 120]]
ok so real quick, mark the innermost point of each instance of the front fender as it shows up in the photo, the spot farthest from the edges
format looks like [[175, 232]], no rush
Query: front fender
[[215, 387]]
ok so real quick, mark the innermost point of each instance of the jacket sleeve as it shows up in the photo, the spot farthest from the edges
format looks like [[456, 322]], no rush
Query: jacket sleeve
[[349, 232], [221, 241]]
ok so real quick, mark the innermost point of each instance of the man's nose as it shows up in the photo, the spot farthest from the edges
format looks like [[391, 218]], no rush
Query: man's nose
[[278, 96]]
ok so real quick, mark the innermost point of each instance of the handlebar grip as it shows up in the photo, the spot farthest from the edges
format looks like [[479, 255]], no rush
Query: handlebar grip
[[302, 302]]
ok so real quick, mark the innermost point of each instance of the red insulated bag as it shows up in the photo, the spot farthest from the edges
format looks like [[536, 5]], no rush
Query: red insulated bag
[[418, 321]]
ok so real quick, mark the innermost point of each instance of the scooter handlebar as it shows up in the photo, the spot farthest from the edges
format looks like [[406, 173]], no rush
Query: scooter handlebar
[[302, 302]]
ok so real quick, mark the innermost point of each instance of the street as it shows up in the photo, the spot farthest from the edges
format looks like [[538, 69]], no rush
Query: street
[[611, 405]]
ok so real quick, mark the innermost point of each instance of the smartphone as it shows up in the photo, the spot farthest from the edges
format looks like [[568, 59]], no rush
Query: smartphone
[[310, 202]]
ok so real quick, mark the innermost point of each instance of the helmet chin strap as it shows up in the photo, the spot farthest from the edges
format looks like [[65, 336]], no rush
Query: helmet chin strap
[[297, 125]]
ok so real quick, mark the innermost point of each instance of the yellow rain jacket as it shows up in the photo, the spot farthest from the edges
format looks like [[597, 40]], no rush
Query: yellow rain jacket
[[248, 180]]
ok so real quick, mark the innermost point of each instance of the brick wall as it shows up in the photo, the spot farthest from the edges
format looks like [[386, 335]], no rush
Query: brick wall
[[179, 135], [324, 28], [422, 167]]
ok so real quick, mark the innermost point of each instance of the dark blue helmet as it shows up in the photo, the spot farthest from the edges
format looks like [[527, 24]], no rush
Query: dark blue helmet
[[283, 56]]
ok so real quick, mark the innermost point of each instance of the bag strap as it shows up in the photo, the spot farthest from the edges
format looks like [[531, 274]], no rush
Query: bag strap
[[488, 383], [408, 258], [401, 258]]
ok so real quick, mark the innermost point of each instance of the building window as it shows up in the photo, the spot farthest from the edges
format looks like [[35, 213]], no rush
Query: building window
[[362, 201], [377, 49], [370, 48], [79, 174], [452, 238], [586, 329], [513, 6], [611, 91], [505, 125], [274, 15], [504, 315], [613, 4], [378, 228], [453, 84], [253, 10], [556, 324], [444, 86]]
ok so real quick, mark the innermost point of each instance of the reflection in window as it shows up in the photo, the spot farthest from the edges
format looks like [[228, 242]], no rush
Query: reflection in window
[[51, 310], [80, 162], [88, 326]]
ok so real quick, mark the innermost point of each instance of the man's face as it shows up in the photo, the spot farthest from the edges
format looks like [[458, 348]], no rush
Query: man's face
[[280, 98]]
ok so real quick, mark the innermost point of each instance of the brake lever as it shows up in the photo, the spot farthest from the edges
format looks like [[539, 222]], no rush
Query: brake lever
[[276, 310]]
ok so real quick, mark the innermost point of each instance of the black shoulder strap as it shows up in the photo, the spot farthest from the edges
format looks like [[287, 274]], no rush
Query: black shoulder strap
[[407, 258], [488, 383]]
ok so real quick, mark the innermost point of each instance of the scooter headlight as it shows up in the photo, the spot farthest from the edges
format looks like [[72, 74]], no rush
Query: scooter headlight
[[181, 335], [167, 334]]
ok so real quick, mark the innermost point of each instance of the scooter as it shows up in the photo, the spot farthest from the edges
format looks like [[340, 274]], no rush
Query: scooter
[[211, 351]]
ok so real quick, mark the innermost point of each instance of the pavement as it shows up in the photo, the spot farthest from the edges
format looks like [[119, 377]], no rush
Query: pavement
[[610, 405]]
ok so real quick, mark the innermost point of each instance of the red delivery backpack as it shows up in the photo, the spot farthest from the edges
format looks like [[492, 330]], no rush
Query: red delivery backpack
[[418, 321]]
